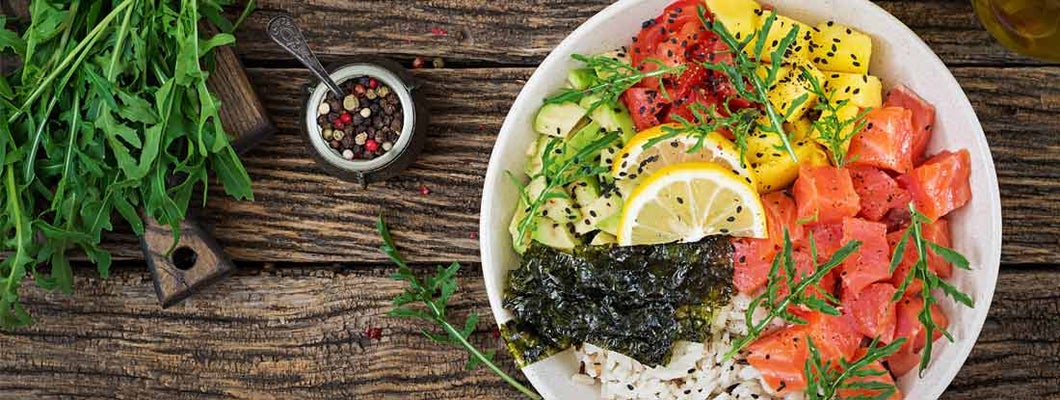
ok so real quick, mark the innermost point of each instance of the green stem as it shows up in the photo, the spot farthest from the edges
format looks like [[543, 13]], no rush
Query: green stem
[[778, 124], [16, 208], [90, 40], [116, 53], [454, 333]]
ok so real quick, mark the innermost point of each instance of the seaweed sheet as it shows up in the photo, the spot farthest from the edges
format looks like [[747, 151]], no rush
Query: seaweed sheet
[[634, 300]]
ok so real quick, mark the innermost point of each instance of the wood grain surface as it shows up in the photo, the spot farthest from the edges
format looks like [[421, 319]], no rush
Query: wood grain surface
[[299, 333], [290, 322]]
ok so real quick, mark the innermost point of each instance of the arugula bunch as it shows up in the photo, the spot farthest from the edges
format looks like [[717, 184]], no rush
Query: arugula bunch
[[782, 274], [614, 77], [931, 281], [744, 74], [832, 130], [108, 113], [434, 293], [825, 379]]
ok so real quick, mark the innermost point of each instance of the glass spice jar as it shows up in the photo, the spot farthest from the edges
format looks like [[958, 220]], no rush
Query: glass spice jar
[[374, 131]]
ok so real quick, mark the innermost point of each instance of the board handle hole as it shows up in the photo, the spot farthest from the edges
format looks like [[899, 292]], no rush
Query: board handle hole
[[184, 258]]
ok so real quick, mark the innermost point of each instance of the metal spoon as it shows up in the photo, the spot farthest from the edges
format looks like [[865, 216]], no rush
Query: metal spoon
[[284, 32]]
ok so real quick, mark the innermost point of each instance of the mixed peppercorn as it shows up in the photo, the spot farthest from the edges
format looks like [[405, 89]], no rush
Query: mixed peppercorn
[[365, 123]]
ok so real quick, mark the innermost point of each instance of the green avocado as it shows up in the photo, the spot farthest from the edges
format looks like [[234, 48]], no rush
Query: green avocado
[[558, 119]]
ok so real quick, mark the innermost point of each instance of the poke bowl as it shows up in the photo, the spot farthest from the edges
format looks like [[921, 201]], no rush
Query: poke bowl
[[871, 145]]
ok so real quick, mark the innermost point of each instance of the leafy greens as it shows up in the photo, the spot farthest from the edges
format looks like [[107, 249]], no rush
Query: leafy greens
[[108, 113]]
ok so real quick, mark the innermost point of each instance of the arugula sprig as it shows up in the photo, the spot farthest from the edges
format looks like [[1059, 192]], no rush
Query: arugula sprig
[[745, 69], [928, 278], [782, 273], [614, 78], [824, 379], [708, 120], [560, 170], [434, 293], [832, 130]]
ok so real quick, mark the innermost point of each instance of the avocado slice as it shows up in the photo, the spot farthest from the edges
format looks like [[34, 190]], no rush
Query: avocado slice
[[604, 207], [613, 117], [519, 243], [617, 55], [536, 153], [603, 239], [584, 191], [581, 78], [558, 119], [555, 235]]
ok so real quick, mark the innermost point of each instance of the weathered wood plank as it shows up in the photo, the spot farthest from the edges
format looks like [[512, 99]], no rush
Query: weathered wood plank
[[523, 32], [301, 214], [299, 333]]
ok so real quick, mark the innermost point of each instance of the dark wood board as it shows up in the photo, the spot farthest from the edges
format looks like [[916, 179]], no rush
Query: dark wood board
[[296, 332]]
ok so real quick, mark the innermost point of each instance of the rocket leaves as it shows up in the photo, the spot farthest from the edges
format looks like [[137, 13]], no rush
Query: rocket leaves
[[108, 115]]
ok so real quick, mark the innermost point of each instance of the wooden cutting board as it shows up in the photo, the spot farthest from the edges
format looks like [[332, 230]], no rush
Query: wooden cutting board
[[198, 259]]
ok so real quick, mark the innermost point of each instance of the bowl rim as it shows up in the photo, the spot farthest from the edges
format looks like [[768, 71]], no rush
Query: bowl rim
[[977, 139]]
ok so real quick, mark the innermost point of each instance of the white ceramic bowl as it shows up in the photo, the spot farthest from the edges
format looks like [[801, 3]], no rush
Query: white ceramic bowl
[[899, 57]]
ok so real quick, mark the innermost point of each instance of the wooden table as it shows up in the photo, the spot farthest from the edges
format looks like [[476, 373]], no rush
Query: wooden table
[[291, 322]]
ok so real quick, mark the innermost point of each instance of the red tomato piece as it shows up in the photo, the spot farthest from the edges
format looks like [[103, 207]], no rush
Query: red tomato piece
[[645, 106], [780, 357], [886, 142], [923, 118], [867, 393], [873, 311], [781, 215], [878, 192], [871, 262], [653, 32], [940, 185], [825, 194], [752, 259]]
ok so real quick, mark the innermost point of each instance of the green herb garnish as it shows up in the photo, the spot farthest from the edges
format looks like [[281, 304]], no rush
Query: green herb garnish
[[824, 379], [708, 121], [108, 113], [434, 293], [931, 281], [783, 272], [744, 68], [558, 170], [833, 131], [613, 79]]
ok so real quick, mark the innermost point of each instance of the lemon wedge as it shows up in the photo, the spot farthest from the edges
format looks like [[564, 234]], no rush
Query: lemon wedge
[[689, 201], [635, 161]]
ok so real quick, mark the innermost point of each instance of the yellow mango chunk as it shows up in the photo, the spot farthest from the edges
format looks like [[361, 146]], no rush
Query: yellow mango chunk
[[837, 47], [740, 17], [864, 91]]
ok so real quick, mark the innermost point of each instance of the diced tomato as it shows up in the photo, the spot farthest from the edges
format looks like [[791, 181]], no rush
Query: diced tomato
[[878, 192], [781, 357], [828, 238], [752, 259], [884, 378], [886, 142], [825, 194], [937, 232], [654, 32], [645, 106], [835, 336], [873, 311], [940, 185], [781, 216], [871, 262], [923, 118]]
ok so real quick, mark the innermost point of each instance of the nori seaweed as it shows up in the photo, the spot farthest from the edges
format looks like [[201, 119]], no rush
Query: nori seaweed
[[634, 300]]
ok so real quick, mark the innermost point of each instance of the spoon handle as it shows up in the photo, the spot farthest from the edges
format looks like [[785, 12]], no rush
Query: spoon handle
[[284, 32]]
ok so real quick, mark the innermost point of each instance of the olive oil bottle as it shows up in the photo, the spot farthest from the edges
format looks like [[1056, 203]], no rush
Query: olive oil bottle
[[1030, 27]]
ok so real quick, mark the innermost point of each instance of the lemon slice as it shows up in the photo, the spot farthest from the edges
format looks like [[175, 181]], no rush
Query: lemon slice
[[634, 161], [689, 201]]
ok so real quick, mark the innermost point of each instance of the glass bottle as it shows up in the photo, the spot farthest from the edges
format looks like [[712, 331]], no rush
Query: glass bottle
[[1030, 27]]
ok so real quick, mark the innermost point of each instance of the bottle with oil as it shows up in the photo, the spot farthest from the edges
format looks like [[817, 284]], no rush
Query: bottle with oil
[[1030, 27]]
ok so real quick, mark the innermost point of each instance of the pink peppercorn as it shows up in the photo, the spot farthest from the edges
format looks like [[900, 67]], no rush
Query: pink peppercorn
[[371, 145]]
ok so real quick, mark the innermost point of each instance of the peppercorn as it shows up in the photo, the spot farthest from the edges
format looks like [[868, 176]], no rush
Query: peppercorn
[[371, 145], [363, 123]]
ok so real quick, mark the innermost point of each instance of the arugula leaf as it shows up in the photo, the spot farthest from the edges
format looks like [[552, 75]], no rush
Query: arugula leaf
[[96, 123]]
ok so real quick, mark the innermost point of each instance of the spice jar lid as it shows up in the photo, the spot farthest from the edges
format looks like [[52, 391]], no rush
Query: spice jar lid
[[405, 148]]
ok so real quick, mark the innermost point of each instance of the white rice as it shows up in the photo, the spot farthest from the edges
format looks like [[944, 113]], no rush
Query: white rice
[[696, 371]]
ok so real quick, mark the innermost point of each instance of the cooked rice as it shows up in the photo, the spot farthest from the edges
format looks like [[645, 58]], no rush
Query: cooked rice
[[696, 370]]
